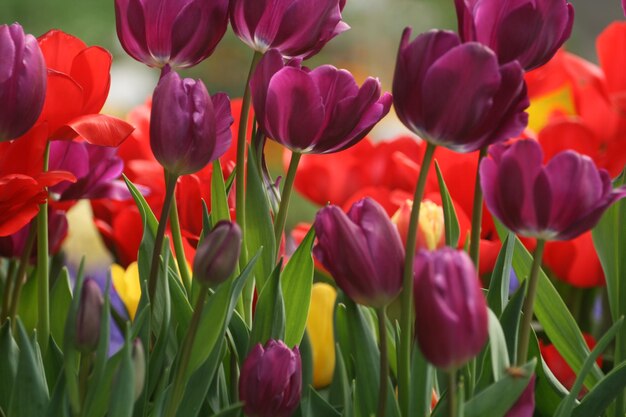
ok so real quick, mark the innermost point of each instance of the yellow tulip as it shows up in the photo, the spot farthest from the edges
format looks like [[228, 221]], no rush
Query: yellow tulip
[[126, 283], [320, 330], [542, 108]]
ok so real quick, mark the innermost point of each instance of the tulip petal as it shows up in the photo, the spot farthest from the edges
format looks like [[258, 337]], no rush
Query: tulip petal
[[97, 129], [59, 49], [20, 197], [90, 70], [64, 100]]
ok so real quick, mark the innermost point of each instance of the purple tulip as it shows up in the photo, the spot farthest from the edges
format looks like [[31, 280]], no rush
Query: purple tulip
[[89, 316], [362, 250], [525, 404], [558, 201], [23, 81], [296, 28], [188, 128], [450, 309], [456, 94], [270, 384], [529, 31], [218, 253], [180, 33], [318, 111]]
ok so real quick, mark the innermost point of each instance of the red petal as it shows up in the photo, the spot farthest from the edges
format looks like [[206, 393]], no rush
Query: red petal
[[59, 49], [20, 197], [97, 129], [48, 179], [91, 69], [564, 134], [64, 100], [611, 46], [25, 154]]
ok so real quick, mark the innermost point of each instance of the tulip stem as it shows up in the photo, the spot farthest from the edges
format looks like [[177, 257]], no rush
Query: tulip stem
[[477, 214], [177, 237], [241, 148], [8, 286], [406, 318], [43, 268], [178, 388], [529, 302], [384, 361], [20, 278], [452, 393], [170, 187], [281, 216]]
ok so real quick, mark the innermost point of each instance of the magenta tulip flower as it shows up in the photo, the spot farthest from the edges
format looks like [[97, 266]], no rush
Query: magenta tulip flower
[[296, 28], [557, 201], [318, 111], [529, 31], [456, 94], [22, 81], [362, 251], [218, 253], [180, 33], [270, 384], [451, 322], [188, 128]]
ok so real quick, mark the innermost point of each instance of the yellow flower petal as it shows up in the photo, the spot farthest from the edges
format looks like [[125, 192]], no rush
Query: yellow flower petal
[[126, 283], [320, 330], [542, 108]]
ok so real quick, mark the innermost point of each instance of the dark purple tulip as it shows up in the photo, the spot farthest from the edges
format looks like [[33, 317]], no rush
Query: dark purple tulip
[[13, 246], [89, 316], [270, 384], [218, 254], [296, 28], [23, 81], [180, 33], [525, 404], [188, 128], [97, 170], [456, 94], [557, 201], [318, 111], [529, 31], [362, 250], [451, 323]]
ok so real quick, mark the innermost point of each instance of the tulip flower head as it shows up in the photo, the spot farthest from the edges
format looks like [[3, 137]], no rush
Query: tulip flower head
[[270, 384], [430, 228], [179, 33], [296, 28], [89, 316], [318, 111], [362, 250], [188, 128], [218, 253], [525, 404], [450, 308], [456, 94], [557, 201], [529, 31], [22, 81]]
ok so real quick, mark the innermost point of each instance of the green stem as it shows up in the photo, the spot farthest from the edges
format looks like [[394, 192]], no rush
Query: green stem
[[529, 302], [8, 287], [86, 360], [477, 214], [178, 388], [281, 216], [452, 394], [384, 361], [170, 187], [43, 269], [177, 237], [406, 319], [241, 147], [20, 278]]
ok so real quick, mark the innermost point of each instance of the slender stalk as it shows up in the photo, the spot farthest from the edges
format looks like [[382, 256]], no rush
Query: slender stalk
[[20, 278], [178, 389], [281, 216], [384, 361], [406, 318], [86, 361], [477, 214], [8, 288], [529, 302], [43, 269], [241, 147], [177, 237], [170, 187], [452, 393]]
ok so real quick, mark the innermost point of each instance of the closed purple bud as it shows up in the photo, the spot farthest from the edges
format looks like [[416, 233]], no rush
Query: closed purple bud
[[89, 316], [318, 111], [362, 251], [188, 128], [525, 404], [450, 308], [529, 31], [456, 94], [180, 33], [557, 201], [270, 384], [218, 254], [296, 28], [23, 81]]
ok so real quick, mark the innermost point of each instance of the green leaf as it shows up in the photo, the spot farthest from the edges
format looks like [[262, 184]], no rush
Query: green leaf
[[422, 379], [340, 395], [497, 346], [602, 395], [70, 354], [297, 281], [498, 294], [269, 317], [60, 298], [453, 231], [317, 406], [219, 198], [510, 319], [552, 391], [230, 411], [27, 308], [8, 364], [123, 389]]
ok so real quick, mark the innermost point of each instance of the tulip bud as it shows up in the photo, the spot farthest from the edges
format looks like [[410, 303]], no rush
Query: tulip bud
[[139, 364], [431, 226], [188, 128], [525, 404], [450, 308], [319, 327], [89, 316], [218, 254], [23, 81], [270, 384]]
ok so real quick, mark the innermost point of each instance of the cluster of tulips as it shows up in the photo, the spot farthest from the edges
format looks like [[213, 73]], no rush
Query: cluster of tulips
[[390, 304]]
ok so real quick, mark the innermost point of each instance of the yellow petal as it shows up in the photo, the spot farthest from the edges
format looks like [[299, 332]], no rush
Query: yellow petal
[[126, 283], [320, 330], [542, 108]]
